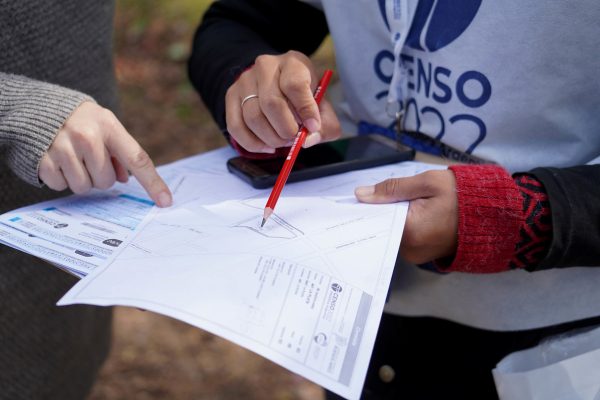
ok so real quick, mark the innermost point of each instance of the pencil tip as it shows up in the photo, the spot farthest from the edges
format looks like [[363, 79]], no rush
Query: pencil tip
[[263, 222]]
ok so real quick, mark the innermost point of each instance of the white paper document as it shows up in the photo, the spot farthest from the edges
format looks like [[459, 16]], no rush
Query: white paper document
[[306, 291], [77, 233]]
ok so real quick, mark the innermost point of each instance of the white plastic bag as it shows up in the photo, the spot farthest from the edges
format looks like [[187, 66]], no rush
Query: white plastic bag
[[563, 367]]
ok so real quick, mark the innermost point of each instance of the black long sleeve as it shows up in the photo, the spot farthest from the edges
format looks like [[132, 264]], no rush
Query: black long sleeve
[[234, 32], [574, 195]]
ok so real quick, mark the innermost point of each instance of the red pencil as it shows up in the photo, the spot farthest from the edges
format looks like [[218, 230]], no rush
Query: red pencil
[[288, 164]]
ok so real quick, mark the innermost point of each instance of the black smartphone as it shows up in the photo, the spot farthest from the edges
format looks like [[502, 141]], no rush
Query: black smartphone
[[323, 159]]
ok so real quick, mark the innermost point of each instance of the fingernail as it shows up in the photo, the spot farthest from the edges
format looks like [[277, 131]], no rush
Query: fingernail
[[311, 124], [164, 199], [312, 139], [269, 150], [364, 191]]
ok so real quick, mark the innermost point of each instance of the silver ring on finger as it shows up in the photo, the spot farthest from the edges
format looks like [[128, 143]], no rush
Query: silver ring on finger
[[245, 99]]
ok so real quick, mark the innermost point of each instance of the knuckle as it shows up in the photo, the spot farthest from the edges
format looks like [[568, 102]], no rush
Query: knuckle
[[104, 183], [58, 186], [79, 135], [85, 141], [80, 187], [306, 109], [275, 142], [63, 154], [245, 141], [254, 125], [273, 104], [263, 59], [139, 159], [71, 125], [295, 85], [108, 120], [252, 118], [429, 181], [251, 122], [297, 55], [252, 146], [287, 133], [257, 144], [390, 186], [107, 114]]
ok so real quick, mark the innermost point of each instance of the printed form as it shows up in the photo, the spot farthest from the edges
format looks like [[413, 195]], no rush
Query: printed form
[[77, 233], [306, 291]]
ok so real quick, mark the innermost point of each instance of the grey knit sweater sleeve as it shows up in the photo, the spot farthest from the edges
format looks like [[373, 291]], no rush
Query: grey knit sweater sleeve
[[31, 114]]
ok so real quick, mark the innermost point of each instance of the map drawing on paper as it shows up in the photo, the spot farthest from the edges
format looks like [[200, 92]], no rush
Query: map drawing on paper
[[305, 291]]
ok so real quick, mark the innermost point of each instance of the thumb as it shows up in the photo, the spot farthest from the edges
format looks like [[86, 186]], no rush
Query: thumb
[[395, 189], [330, 126]]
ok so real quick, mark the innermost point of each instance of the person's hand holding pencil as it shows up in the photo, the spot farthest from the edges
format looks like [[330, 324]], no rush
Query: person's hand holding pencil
[[268, 102], [288, 164]]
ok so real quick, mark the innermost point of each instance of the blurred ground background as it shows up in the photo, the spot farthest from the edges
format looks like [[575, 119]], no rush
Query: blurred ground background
[[155, 357]]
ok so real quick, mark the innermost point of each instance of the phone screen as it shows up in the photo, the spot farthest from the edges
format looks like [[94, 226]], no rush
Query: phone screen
[[324, 159]]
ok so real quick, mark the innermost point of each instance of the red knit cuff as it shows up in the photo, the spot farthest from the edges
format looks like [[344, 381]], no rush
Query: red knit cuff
[[490, 216]]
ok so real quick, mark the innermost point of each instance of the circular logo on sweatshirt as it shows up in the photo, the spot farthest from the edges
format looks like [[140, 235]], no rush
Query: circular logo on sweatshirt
[[436, 24]]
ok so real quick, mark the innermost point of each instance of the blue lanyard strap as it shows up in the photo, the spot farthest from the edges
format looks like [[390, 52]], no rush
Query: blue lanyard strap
[[421, 142]]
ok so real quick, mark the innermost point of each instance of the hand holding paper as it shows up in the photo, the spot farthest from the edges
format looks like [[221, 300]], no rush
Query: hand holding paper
[[431, 226]]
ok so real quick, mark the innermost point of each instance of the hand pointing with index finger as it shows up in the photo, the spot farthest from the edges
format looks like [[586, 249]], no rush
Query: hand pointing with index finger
[[93, 149]]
